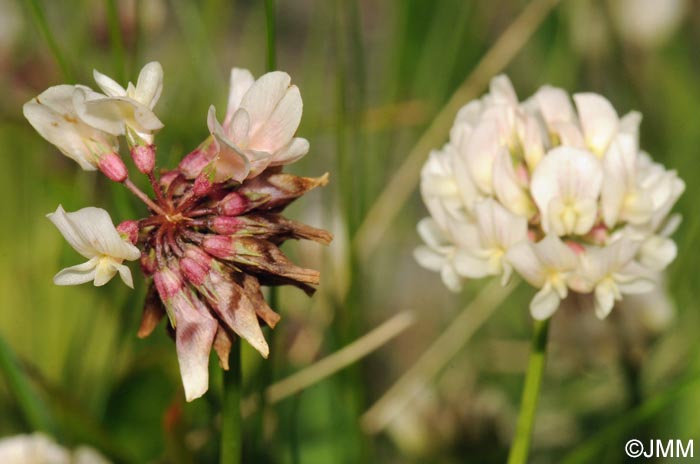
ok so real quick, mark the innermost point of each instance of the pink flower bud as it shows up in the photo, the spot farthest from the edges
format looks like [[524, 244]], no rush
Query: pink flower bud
[[599, 234], [576, 247], [202, 185], [219, 246], [225, 225], [148, 262], [129, 230], [194, 271], [197, 254], [168, 283], [233, 204], [144, 157], [113, 167]]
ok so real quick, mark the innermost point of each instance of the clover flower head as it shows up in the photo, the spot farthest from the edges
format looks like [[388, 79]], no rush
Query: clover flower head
[[212, 235], [558, 192]]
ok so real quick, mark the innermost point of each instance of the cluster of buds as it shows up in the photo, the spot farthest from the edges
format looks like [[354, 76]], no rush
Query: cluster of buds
[[561, 194], [215, 225]]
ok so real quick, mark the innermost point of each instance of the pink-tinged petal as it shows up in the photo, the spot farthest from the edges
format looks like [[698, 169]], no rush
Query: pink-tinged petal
[[545, 303], [555, 106], [498, 227], [507, 188], [149, 85], [569, 134], [294, 151], [240, 82], [619, 172], [523, 258], [532, 139], [555, 255], [501, 91], [239, 129], [599, 120], [263, 97], [108, 85], [194, 337], [76, 275], [566, 180], [480, 150], [280, 126], [231, 163]]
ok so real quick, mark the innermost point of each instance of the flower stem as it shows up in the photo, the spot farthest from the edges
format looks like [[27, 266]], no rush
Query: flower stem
[[231, 424], [528, 403], [271, 29], [143, 197]]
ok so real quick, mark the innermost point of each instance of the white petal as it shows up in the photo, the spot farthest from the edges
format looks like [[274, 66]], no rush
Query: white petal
[[501, 91], [431, 233], [53, 116], [239, 129], [104, 271], [263, 97], [555, 106], [469, 266], [294, 151], [544, 304], [619, 172], [506, 186], [240, 82], [523, 258], [480, 150], [102, 113], [90, 232], [569, 175], [555, 255], [76, 275], [657, 252], [108, 85], [429, 258], [599, 120], [231, 162], [280, 126], [604, 300], [498, 227], [125, 274], [149, 85], [450, 278]]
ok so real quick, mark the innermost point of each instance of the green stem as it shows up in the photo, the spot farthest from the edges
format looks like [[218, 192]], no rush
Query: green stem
[[231, 423], [270, 23], [528, 403]]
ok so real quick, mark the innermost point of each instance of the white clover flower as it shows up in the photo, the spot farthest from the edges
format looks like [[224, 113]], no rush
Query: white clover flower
[[38, 448], [54, 116], [258, 131], [126, 111], [91, 233], [557, 191]]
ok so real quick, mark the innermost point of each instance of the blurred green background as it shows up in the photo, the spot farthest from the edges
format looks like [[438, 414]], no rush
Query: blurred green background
[[373, 75]]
